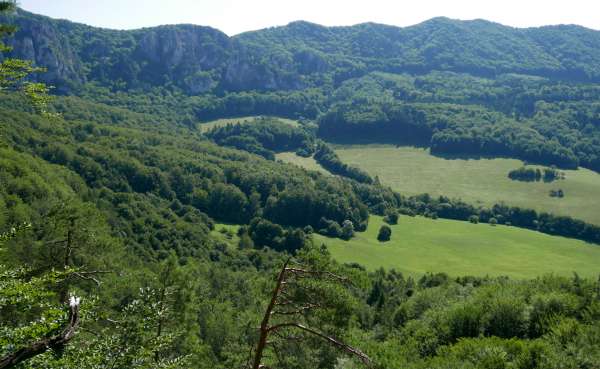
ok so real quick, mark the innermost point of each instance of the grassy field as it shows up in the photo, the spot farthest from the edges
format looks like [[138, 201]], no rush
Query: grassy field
[[226, 233], [307, 163], [411, 170], [419, 245], [204, 127]]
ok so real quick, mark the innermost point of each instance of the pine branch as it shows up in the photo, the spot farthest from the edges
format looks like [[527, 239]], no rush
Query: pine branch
[[347, 348]]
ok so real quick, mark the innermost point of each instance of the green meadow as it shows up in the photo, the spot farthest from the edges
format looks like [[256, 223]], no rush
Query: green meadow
[[410, 170], [307, 163], [419, 245]]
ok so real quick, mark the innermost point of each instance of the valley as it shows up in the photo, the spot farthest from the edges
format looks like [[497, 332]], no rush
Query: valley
[[421, 245], [173, 197]]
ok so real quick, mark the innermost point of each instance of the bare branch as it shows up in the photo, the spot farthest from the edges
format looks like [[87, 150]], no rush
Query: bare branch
[[302, 273], [300, 310], [41, 346], [264, 326], [90, 276]]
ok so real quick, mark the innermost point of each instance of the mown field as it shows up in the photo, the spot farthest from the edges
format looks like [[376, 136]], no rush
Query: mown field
[[483, 181], [207, 126], [419, 245], [308, 163]]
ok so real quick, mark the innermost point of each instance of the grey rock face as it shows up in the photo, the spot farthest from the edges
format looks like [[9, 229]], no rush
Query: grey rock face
[[42, 43]]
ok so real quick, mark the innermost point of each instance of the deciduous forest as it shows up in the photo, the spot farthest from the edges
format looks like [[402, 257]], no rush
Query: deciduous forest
[[132, 238]]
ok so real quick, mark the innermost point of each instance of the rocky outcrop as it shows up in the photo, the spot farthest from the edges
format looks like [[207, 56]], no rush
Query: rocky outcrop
[[39, 40], [191, 57]]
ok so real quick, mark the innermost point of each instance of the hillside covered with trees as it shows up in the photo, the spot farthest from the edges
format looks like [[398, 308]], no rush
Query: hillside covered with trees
[[475, 88], [110, 195]]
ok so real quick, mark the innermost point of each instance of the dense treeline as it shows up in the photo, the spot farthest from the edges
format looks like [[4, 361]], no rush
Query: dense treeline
[[205, 311], [512, 115], [263, 136], [525, 174], [364, 120], [329, 160], [142, 172], [502, 214], [366, 82], [306, 103], [448, 129], [535, 175], [517, 116], [437, 322]]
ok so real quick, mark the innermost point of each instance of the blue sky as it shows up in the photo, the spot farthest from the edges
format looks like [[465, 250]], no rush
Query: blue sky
[[236, 16]]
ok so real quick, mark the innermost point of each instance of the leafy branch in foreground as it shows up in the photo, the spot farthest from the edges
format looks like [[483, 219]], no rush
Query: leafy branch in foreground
[[24, 295], [52, 343]]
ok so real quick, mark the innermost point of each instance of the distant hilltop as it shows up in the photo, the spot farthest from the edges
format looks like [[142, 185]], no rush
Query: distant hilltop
[[299, 55]]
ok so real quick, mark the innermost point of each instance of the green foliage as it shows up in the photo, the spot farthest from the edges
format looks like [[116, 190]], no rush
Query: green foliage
[[511, 94], [347, 230], [385, 233], [525, 174], [464, 324], [28, 305], [329, 160], [122, 191], [391, 217], [263, 136]]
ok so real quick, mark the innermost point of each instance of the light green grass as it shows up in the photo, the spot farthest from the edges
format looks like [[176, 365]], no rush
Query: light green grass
[[205, 127], [419, 245], [226, 233], [307, 163], [411, 170]]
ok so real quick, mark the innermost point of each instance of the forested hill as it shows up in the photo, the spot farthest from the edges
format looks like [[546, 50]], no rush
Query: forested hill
[[459, 87], [297, 56]]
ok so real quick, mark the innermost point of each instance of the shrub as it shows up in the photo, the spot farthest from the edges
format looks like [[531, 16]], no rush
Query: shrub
[[429, 280], [347, 230], [505, 318], [391, 217], [547, 309], [385, 233], [464, 320], [361, 227]]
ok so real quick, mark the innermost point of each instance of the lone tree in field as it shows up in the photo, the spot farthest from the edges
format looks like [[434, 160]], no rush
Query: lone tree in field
[[300, 296], [385, 233]]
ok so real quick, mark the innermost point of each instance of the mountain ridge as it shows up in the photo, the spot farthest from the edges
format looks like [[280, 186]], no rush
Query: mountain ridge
[[299, 55]]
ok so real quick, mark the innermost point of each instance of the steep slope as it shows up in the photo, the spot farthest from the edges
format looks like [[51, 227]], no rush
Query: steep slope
[[75, 53]]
